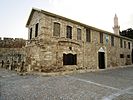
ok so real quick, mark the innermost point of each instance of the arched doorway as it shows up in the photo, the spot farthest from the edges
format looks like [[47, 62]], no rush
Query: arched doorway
[[101, 60], [69, 59]]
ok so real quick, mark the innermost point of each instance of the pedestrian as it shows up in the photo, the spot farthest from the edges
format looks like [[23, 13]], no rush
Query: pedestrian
[[7, 64], [15, 65], [22, 67], [12, 66], [2, 64]]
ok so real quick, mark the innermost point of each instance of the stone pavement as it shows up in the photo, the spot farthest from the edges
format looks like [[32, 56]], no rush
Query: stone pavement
[[112, 84]]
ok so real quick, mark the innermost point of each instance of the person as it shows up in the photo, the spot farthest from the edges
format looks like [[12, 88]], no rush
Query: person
[[22, 67], [12, 65], [8, 64], [2, 64], [15, 65]]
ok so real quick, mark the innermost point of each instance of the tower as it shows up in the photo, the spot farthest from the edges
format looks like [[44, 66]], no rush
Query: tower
[[116, 27]]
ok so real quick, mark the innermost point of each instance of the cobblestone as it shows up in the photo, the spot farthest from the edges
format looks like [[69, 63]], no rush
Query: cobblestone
[[65, 87]]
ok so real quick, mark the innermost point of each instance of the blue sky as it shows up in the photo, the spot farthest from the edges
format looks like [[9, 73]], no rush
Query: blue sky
[[97, 13]]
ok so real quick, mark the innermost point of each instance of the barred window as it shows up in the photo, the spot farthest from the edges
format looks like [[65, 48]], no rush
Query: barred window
[[101, 37], [78, 34], [56, 31], [88, 35], [69, 32]]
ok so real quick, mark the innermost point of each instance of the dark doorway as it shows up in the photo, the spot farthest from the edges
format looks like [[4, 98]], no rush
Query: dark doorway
[[132, 55], [69, 59], [101, 59]]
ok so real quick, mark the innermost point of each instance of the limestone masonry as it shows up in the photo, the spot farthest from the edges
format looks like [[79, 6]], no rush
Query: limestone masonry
[[56, 43], [12, 52]]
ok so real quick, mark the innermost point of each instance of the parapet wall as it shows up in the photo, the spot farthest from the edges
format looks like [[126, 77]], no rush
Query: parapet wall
[[12, 43]]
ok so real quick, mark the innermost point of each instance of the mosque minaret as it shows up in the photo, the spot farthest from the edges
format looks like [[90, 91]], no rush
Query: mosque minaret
[[116, 27]]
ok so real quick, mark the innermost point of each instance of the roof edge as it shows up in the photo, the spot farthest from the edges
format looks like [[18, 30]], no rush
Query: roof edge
[[31, 13], [73, 21]]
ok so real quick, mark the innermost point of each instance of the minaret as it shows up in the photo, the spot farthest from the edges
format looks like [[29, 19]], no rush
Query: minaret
[[116, 27]]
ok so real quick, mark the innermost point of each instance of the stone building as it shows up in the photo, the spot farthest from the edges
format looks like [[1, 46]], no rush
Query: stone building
[[56, 43], [12, 52]]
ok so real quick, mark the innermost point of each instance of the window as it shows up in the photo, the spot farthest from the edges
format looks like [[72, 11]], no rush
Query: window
[[70, 48], [101, 37], [36, 30], [128, 45], [69, 32], [128, 56], [69, 59], [56, 29], [30, 33], [121, 55], [78, 34], [88, 35], [121, 43], [124, 44], [112, 40]]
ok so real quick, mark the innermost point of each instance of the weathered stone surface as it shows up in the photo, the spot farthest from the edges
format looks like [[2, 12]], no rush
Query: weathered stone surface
[[12, 53], [45, 52], [116, 84]]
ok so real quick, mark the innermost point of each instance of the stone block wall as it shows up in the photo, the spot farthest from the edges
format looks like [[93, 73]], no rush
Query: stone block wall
[[45, 52], [12, 52]]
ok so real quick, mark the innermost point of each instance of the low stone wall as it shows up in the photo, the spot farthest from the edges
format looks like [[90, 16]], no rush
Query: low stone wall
[[12, 53], [12, 43]]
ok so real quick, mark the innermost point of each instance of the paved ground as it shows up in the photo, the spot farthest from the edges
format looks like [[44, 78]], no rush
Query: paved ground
[[116, 84]]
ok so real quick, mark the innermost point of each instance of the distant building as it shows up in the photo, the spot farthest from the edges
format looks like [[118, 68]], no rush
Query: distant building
[[57, 43]]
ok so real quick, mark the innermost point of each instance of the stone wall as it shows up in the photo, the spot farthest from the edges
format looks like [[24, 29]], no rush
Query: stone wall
[[12, 52], [45, 52]]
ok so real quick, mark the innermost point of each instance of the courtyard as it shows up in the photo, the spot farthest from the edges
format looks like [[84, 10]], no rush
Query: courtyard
[[111, 84]]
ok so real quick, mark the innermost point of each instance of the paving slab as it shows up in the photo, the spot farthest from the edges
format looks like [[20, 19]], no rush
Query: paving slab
[[113, 84]]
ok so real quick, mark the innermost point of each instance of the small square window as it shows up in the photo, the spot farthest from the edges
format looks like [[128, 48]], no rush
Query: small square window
[[128, 56], [70, 48], [121, 55]]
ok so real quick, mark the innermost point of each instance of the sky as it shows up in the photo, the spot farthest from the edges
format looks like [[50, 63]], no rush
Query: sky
[[97, 13]]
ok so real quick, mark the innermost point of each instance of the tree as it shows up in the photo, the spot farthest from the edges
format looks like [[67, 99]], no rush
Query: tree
[[127, 33]]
